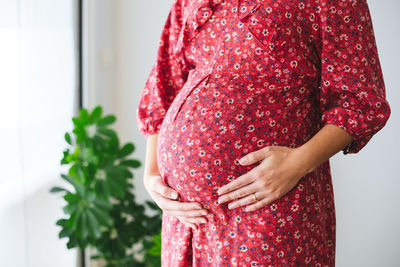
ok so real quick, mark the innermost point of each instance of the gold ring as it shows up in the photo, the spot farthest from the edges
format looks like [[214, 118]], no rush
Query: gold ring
[[255, 198]]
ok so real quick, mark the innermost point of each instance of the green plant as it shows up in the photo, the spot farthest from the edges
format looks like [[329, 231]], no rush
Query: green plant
[[101, 208]]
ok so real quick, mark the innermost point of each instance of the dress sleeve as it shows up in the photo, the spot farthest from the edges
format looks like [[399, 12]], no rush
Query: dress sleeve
[[352, 90], [166, 78]]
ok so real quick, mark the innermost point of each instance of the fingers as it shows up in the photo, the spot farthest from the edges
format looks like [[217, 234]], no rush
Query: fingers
[[186, 213], [246, 197], [255, 156], [259, 204], [241, 181], [192, 222], [192, 225], [189, 213], [242, 202], [239, 193], [193, 211], [177, 208]]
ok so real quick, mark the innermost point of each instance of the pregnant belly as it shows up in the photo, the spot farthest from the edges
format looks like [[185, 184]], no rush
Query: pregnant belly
[[194, 162], [199, 149]]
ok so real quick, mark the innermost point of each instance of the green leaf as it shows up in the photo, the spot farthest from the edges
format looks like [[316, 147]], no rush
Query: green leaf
[[71, 208], [157, 239], [67, 138], [56, 189], [64, 233], [90, 196], [72, 198], [64, 160], [71, 243], [74, 220], [93, 224], [89, 156], [77, 173], [107, 120], [84, 225], [155, 251], [128, 174], [81, 135], [62, 222], [115, 181], [116, 186], [131, 163], [96, 114], [74, 156], [103, 217], [111, 134], [126, 150], [68, 179], [79, 188], [77, 122], [102, 204], [99, 143], [84, 116]]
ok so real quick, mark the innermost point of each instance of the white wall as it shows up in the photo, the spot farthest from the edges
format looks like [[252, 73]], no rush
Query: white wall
[[121, 38], [138, 28], [365, 184], [99, 37]]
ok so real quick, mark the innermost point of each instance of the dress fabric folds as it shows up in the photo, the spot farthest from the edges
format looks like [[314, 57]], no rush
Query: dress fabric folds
[[233, 76]]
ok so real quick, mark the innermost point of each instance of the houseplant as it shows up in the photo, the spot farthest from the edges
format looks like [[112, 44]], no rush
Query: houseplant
[[101, 209]]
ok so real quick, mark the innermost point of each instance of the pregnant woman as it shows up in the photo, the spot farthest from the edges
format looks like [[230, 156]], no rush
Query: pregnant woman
[[244, 106]]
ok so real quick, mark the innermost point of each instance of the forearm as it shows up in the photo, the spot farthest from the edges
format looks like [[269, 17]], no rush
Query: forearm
[[151, 166], [329, 140]]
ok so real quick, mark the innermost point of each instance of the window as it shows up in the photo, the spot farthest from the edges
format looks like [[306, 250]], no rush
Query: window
[[37, 92]]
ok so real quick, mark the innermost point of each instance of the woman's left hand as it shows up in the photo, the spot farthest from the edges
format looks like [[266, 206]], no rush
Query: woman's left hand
[[280, 170]]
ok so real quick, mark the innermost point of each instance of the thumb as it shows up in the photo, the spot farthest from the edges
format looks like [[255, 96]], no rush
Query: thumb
[[165, 190]]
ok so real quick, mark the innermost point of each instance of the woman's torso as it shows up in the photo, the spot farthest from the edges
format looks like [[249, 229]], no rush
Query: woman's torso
[[253, 84], [243, 93]]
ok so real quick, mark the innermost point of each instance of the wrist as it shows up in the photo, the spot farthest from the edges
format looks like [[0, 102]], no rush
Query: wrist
[[309, 162]]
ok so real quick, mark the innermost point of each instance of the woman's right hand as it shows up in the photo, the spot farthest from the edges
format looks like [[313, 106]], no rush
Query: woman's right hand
[[189, 213]]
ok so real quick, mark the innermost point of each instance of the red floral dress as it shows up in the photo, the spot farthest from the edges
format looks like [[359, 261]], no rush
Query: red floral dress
[[233, 76]]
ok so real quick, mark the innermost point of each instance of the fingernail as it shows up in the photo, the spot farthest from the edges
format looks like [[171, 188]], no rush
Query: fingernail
[[204, 213], [174, 194], [203, 221], [242, 160]]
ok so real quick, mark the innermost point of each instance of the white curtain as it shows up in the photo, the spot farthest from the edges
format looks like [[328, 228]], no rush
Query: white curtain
[[37, 101]]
